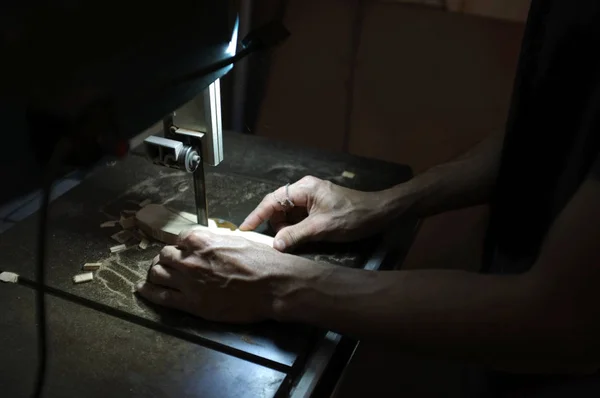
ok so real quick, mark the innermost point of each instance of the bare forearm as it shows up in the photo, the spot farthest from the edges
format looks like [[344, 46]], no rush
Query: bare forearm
[[463, 182], [488, 319]]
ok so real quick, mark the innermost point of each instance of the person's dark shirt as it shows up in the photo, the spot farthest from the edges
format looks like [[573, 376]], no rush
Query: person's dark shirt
[[551, 146], [553, 129]]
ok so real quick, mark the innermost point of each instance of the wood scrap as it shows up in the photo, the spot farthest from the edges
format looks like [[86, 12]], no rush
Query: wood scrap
[[9, 277], [91, 266], [144, 244], [118, 248], [109, 224], [165, 224], [82, 278]]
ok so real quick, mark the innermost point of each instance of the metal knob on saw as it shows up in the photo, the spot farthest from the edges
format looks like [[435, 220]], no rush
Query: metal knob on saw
[[172, 153], [177, 155], [193, 136]]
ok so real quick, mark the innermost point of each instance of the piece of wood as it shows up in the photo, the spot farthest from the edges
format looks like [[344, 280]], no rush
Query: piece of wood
[[348, 174], [165, 224], [82, 278], [118, 248], [91, 266], [143, 244], [9, 277]]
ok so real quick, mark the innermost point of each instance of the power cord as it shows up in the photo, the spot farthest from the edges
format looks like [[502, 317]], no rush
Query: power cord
[[261, 38], [52, 168]]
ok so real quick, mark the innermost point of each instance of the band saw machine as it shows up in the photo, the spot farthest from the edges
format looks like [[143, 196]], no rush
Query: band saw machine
[[141, 84]]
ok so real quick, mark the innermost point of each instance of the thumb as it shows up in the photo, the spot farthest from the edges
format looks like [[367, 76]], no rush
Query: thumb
[[294, 235]]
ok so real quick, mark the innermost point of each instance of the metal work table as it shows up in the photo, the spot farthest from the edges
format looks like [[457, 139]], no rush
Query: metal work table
[[105, 341]]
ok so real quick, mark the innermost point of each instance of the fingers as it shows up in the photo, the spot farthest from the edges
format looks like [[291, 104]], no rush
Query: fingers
[[177, 258], [162, 295], [170, 256], [264, 211], [293, 235], [299, 193], [189, 250], [165, 276], [194, 239]]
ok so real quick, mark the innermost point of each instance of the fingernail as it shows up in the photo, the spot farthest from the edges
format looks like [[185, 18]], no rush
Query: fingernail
[[279, 245], [139, 286]]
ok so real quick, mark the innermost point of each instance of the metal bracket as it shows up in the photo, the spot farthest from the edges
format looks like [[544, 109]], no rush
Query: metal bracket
[[203, 115], [180, 149], [193, 135]]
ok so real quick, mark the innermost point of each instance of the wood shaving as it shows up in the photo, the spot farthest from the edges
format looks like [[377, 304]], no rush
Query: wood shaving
[[9, 277], [109, 224], [144, 244], [145, 203], [118, 248], [91, 266], [82, 278]]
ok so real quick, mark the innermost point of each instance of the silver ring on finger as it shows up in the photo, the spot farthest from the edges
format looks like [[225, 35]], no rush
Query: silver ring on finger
[[286, 203]]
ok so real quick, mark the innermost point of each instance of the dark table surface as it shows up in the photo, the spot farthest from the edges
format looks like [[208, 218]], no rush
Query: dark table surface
[[140, 350]]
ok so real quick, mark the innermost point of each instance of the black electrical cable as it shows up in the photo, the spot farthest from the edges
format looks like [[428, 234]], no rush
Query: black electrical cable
[[40, 296], [261, 38], [211, 68]]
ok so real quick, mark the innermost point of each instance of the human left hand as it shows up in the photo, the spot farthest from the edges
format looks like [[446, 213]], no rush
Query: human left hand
[[324, 211], [219, 278]]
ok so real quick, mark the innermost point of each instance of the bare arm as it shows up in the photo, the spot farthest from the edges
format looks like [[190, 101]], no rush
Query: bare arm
[[548, 317], [463, 182], [329, 212]]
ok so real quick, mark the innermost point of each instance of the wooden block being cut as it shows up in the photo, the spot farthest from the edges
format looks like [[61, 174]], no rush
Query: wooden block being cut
[[165, 224]]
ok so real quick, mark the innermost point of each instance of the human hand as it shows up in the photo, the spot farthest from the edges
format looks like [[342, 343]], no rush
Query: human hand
[[322, 211], [220, 278]]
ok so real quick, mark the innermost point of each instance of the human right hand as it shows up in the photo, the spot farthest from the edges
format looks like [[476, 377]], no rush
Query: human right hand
[[322, 211]]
